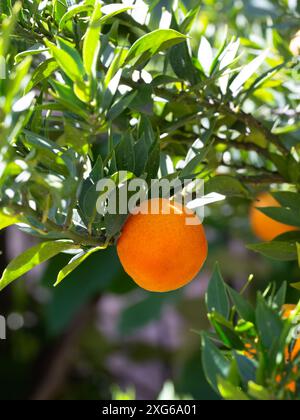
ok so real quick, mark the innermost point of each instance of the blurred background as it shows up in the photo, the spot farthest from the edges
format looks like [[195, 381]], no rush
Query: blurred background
[[97, 332]]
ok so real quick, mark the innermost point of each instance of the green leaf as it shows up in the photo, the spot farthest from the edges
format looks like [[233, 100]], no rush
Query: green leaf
[[74, 263], [91, 43], [216, 297], [214, 362], [258, 392], [42, 72], [282, 251], [189, 20], [111, 10], [182, 64], [18, 82], [231, 392], [141, 156], [68, 59], [150, 44], [243, 307], [143, 101], [73, 11], [34, 50], [191, 167], [226, 333], [7, 28], [280, 296], [31, 258], [146, 129], [121, 105], [246, 367], [205, 56], [269, 324], [288, 199], [226, 185], [125, 156], [115, 66], [6, 221], [247, 72], [295, 285], [283, 215], [65, 95], [153, 162]]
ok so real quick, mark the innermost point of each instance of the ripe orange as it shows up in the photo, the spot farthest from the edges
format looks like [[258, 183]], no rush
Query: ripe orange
[[263, 226], [161, 252]]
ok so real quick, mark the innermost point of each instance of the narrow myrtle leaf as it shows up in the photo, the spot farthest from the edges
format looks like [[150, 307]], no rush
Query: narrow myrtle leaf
[[153, 162], [205, 55], [146, 129], [150, 44], [65, 95], [258, 392], [18, 82], [121, 105], [125, 156], [243, 307], [263, 78], [247, 72], [91, 43], [42, 72], [115, 66], [194, 158], [6, 221], [283, 215], [69, 62], [73, 11], [288, 199], [74, 263], [111, 90], [7, 27], [220, 50], [226, 333], [182, 63], [282, 251], [141, 150], [231, 392], [189, 20], [226, 185], [214, 362], [111, 10], [246, 367], [216, 297], [227, 58], [31, 258], [269, 324], [280, 296], [34, 50]]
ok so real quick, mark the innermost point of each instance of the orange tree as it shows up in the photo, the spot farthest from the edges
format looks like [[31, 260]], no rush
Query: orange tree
[[91, 89]]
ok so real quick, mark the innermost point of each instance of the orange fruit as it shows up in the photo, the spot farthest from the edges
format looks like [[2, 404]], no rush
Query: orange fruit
[[160, 250], [263, 226]]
